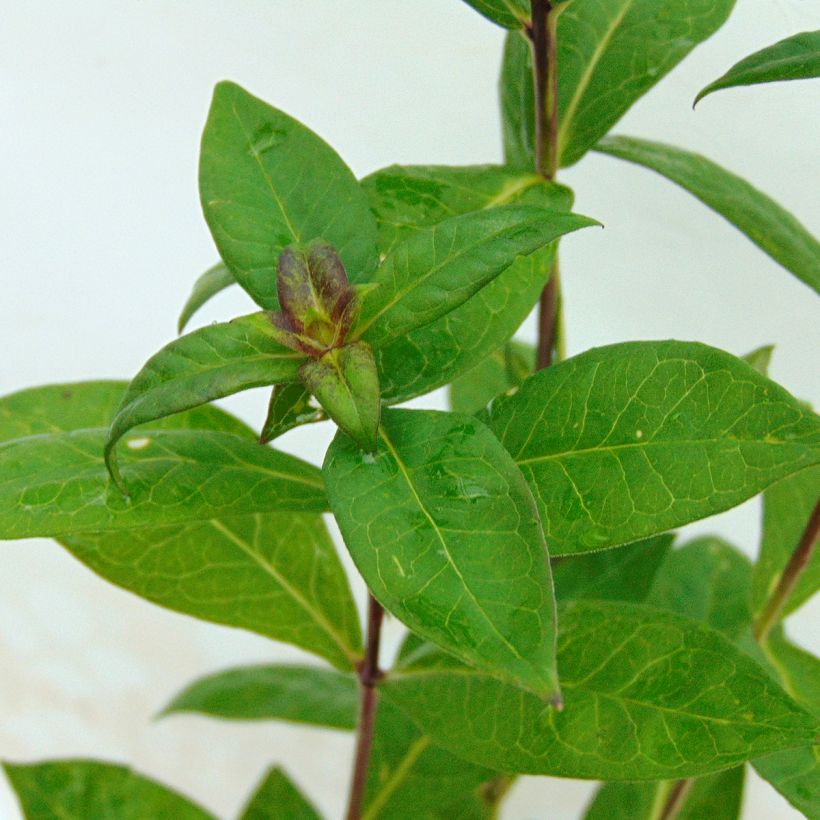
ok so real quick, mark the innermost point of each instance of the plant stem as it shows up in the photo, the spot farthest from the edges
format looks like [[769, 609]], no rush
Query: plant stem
[[369, 675], [545, 83], [676, 798], [791, 575]]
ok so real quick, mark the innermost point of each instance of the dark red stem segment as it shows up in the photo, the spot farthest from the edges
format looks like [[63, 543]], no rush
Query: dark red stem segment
[[369, 675], [676, 799], [791, 575]]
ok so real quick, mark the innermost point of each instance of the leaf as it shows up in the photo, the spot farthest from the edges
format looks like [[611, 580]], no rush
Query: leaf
[[625, 574], [444, 531], [277, 798], [213, 281], [208, 364], [794, 773], [346, 384], [648, 695], [517, 97], [787, 506], [283, 571], [298, 694], [716, 796], [795, 58], [290, 406], [507, 13], [773, 229], [406, 197], [630, 440], [502, 371], [266, 181], [436, 269], [91, 790], [707, 580], [760, 359], [57, 484]]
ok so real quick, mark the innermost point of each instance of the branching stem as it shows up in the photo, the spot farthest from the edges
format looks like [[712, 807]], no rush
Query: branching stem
[[369, 675]]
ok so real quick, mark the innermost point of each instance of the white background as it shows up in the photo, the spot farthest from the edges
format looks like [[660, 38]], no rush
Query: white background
[[101, 105]]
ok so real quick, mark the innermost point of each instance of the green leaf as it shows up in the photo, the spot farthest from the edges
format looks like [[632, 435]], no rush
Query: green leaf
[[794, 773], [277, 798], [609, 55], [213, 281], [502, 371], [444, 531], [57, 484], [716, 797], [787, 507], [208, 364], [90, 790], [266, 181], [407, 197], [625, 574], [440, 267], [286, 579], [773, 229], [346, 384], [630, 440], [707, 580], [507, 13], [648, 695], [795, 58], [298, 694], [290, 406], [760, 359]]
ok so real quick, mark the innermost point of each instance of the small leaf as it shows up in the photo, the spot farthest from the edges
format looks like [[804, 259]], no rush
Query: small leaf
[[760, 359], [439, 268], [405, 198], [213, 281], [787, 507], [773, 229], [517, 98], [346, 384], [445, 533], [265, 182], [208, 364], [630, 440], [277, 798], [648, 695], [625, 574], [716, 797], [297, 694], [707, 580], [57, 484], [501, 372], [507, 13], [88, 789], [795, 58], [290, 406]]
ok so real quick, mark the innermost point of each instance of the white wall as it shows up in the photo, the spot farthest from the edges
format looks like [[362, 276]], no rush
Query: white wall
[[101, 105]]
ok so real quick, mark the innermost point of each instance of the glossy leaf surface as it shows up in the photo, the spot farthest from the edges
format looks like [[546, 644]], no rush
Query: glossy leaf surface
[[290, 406], [630, 440], [267, 181], [772, 228], [210, 363], [213, 281], [284, 576], [610, 53], [436, 269], [405, 198], [716, 796], [787, 507], [625, 574], [88, 789], [297, 694], [277, 798], [707, 580], [648, 695], [794, 58], [444, 531]]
